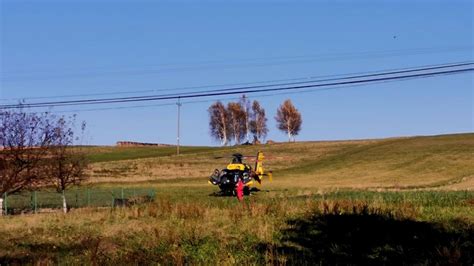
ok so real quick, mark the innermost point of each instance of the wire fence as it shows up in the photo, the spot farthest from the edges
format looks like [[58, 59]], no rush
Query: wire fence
[[50, 201]]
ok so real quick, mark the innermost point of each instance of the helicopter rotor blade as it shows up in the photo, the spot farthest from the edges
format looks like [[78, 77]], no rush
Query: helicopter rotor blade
[[230, 157]]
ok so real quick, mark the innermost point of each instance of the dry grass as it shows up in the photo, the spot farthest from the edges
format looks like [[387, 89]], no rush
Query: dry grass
[[205, 230], [139, 233], [185, 225], [402, 163], [199, 165]]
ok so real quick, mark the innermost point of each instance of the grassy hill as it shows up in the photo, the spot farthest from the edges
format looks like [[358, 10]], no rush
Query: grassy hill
[[328, 204], [107, 153], [414, 162]]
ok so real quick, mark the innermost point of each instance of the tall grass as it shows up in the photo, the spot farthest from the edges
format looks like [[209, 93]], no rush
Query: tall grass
[[186, 224], [210, 230]]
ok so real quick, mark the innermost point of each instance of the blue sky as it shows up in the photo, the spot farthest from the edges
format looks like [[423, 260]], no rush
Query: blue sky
[[56, 48]]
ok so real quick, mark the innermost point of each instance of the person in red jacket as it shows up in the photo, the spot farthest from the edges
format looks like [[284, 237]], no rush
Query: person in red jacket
[[239, 188]]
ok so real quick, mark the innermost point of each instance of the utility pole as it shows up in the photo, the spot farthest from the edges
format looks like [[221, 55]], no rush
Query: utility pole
[[179, 117]]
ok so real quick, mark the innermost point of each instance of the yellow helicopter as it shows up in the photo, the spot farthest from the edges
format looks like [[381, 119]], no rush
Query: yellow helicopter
[[237, 171]]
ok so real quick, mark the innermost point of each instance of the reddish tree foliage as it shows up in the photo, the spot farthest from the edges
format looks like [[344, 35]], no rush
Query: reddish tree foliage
[[236, 121], [289, 119]]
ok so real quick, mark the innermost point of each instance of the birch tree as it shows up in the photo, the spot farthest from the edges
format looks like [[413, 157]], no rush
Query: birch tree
[[289, 119], [236, 121], [219, 123], [258, 122]]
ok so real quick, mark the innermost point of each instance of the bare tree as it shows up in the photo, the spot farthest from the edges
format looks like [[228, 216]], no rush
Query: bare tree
[[67, 163], [236, 121], [247, 114], [289, 119], [24, 141], [258, 122], [219, 122], [36, 150]]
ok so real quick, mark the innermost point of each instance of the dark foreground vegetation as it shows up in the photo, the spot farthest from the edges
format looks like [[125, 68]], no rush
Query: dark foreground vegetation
[[347, 233], [278, 227]]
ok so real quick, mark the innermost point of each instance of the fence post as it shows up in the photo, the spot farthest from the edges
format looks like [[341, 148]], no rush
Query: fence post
[[5, 202], [1, 206], [113, 199], [35, 201], [32, 201], [88, 197]]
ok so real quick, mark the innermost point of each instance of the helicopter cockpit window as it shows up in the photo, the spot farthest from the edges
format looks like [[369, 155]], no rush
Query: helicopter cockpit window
[[237, 158]]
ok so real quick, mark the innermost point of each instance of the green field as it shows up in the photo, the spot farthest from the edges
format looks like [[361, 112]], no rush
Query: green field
[[107, 154], [399, 163], [389, 201]]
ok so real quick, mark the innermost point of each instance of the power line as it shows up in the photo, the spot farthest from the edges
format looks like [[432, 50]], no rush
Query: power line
[[345, 78], [310, 90], [242, 91], [223, 99], [309, 79], [199, 94], [106, 100]]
